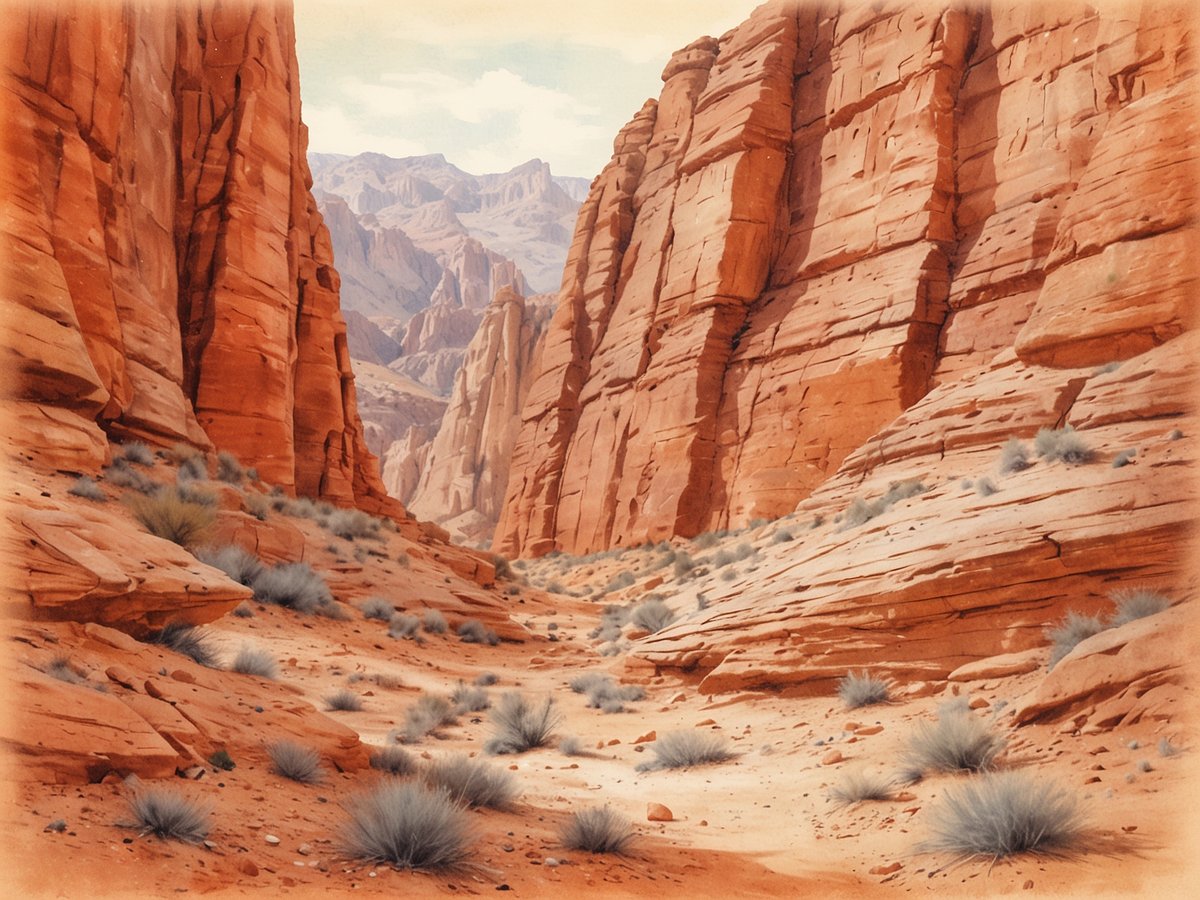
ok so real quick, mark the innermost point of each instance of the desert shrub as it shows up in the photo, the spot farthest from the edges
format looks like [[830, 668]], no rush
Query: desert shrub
[[192, 469], [343, 701], [597, 829], [984, 487], [255, 661], [782, 536], [619, 581], [863, 689], [377, 608], [169, 814], [585, 682], [652, 615], [1136, 603], [683, 749], [520, 724], [611, 620], [1166, 748], [428, 714], [393, 760], [60, 667], [1124, 458], [609, 705], [1061, 444], [1014, 457], [858, 785], [683, 565], [407, 825], [385, 680], [331, 609], [294, 586], [471, 781], [737, 554], [229, 469], [119, 474], [571, 746], [1004, 813], [469, 699], [222, 760], [242, 567], [472, 631], [860, 511], [709, 539], [403, 625], [701, 602], [87, 488], [181, 452], [349, 524], [193, 492], [244, 610], [187, 640], [168, 515], [957, 742], [503, 569], [135, 452], [556, 587], [258, 505], [486, 679], [434, 622], [295, 761], [1073, 629]]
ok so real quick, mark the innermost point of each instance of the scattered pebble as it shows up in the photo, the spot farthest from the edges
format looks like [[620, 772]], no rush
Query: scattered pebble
[[832, 758], [271, 839], [58, 825], [656, 812]]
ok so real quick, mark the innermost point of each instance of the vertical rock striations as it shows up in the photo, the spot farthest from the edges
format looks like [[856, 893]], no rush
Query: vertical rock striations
[[829, 213], [170, 277]]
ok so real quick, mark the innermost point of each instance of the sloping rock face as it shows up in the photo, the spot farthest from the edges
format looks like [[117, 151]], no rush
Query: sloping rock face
[[464, 475], [163, 246], [832, 216]]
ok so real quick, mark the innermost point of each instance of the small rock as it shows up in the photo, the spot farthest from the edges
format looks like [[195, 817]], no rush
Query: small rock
[[868, 730], [185, 677], [552, 862], [247, 867], [304, 849], [656, 812], [58, 825], [706, 722], [905, 797], [210, 845], [888, 869], [679, 698], [1028, 885], [507, 848], [831, 758], [704, 823], [271, 839], [1093, 780], [852, 726], [647, 737], [195, 773], [978, 703], [614, 742]]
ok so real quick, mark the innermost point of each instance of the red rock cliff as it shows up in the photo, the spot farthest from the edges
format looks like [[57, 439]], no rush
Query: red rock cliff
[[827, 215], [169, 276]]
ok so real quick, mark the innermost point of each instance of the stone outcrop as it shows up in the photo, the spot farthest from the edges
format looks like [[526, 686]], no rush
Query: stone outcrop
[[827, 215], [162, 246], [465, 472]]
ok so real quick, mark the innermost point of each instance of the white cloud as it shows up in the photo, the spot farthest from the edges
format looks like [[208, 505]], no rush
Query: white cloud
[[330, 130]]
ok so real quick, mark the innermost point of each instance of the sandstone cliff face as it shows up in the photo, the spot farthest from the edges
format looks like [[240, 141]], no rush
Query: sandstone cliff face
[[163, 246], [465, 471], [830, 215]]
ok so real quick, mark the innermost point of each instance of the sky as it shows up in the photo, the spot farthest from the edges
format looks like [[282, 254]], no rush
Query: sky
[[490, 83]]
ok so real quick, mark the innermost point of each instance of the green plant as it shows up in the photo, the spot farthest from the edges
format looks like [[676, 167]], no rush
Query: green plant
[[297, 762], [471, 781], [343, 700], [652, 615], [1136, 603], [520, 724], [407, 825], [1004, 813], [393, 760], [168, 515], [222, 760], [683, 749], [434, 622], [255, 661], [863, 689], [957, 742], [169, 814], [1014, 457], [597, 829], [242, 567], [292, 585], [1061, 444], [472, 631], [88, 489], [377, 608], [187, 640], [858, 785], [1068, 633], [229, 469]]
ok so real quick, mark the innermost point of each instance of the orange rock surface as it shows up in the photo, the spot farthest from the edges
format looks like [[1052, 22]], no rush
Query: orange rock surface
[[827, 216], [162, 246]]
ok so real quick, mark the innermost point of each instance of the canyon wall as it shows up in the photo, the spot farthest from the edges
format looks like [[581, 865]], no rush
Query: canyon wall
[[169, 276], [826, 215]]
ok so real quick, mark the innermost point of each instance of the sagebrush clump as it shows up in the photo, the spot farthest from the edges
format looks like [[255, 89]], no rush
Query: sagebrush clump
[[1073, 629], [87, 488], [407, 825], [471, 781], [597, 829], [957, 742], [1061, 444], [343, 701], [472, 631], [859, 785], [255, 661], [863, 689], [170, 814], [1136, 603], [186, 639], [393, 760], [377, 608], [294, 586], [684, 749], [295, 761], [1014, 457], [244, 568], [167, 514], [652, 615], [520, 724]]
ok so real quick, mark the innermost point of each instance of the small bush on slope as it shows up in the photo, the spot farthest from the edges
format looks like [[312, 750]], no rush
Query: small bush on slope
[[521, 725], [166, 514], [858, 785], [1014, 457], [352, 523], [469, 699], [377, 608], [255, 661], [169, 814], [597, 829], [407, 825], [1061, 444], [187, 640], [957, 742], [135, 452], [683, 749], [229, 469], [428, 714], [393, 760], [343, 701], [294, 586], [88, 489], [652, 615], [471, 781], [1004, 813], [1136, 603], [404, 626], [434, 622], [472, 631], [299, 763], [242, 567], [862, 689], [1068, 633]]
